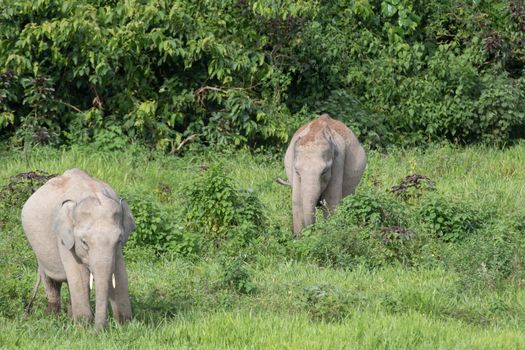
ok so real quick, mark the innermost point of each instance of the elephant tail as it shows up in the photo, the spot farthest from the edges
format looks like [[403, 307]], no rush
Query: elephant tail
[[282, 182], [29, 305]]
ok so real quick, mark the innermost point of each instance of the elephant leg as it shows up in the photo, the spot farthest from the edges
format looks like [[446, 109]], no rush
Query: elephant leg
[[355, 164], [52, 289], [119, 294], [297, 209], [77, 275], [69, 311], [333, 192], [78, 283], [330, 198]]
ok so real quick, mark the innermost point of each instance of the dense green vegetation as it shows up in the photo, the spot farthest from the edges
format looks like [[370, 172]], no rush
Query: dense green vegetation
[[408, 262], [248, 72]]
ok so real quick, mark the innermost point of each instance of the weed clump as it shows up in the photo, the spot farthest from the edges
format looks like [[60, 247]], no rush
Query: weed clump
[[157, 230], [413, 186], [21, 186], [367, 228], [448, 220], [325, 303], [220, 214], [237, 276]]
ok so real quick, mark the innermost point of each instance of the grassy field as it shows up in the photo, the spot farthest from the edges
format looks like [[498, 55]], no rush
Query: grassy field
[[293, 302]]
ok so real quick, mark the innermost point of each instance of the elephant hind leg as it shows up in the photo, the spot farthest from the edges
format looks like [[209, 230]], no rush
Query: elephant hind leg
[[52, 289]]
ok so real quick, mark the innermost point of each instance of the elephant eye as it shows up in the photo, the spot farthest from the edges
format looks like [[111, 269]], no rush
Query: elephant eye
[[84, 243]]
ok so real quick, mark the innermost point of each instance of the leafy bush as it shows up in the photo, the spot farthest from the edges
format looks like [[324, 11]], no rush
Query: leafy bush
[[365, 229], [325, 303], [448, 220], [413, 187], [402, 72], [237, 276], [157, 229], [343, 105], [17, 191], [221, 214], [370, 208]]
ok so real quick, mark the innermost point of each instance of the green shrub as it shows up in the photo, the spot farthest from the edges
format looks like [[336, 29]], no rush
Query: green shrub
[[19, 269], [7, 116], [221, 214], [16, 289], [367, 228], [329, 244], [157, 229], [369, 128], [325, 303], [237, 276], [370, 208], [448, 220], [412, 187], [17, 191]]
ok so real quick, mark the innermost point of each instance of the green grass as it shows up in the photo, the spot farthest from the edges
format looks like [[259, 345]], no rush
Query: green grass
[[296, 304]]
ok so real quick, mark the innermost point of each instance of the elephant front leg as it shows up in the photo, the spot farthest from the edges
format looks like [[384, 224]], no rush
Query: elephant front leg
[[331, 197], [77, 275], [78, 283], [118, 293], [297, 212]]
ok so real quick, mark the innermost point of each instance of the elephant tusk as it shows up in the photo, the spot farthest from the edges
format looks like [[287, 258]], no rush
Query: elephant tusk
[[90, 280], [113, 280]]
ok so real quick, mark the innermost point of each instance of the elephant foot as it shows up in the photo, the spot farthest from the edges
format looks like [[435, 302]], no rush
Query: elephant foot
[[83, 320], [123, 317], [53, 308], [100, 325]]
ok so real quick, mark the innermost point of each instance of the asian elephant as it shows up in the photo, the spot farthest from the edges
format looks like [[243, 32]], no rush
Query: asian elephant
[[324, 163], [77, 226]]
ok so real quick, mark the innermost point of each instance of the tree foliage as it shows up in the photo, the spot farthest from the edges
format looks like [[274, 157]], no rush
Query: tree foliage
[[247, 72]]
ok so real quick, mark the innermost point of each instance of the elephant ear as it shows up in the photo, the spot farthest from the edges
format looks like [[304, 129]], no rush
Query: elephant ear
[[127, 220], [327, 133], [64, 223]]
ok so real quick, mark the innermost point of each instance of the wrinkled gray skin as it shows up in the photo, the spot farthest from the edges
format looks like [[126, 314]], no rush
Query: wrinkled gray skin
[[77, 225], [324, 163]]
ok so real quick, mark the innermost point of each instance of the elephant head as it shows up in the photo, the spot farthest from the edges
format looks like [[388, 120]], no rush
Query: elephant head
[[94, 229]]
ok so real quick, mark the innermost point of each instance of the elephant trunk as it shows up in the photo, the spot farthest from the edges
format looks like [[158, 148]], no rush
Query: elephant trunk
[[311, 192], [103, 272]]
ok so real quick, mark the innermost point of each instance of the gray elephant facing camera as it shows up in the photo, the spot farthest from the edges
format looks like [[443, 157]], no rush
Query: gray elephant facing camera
[[77, 226], [324, 163]]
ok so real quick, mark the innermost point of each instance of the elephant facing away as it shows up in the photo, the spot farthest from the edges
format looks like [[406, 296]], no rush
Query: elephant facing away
[[324, 163], [77, 226]]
